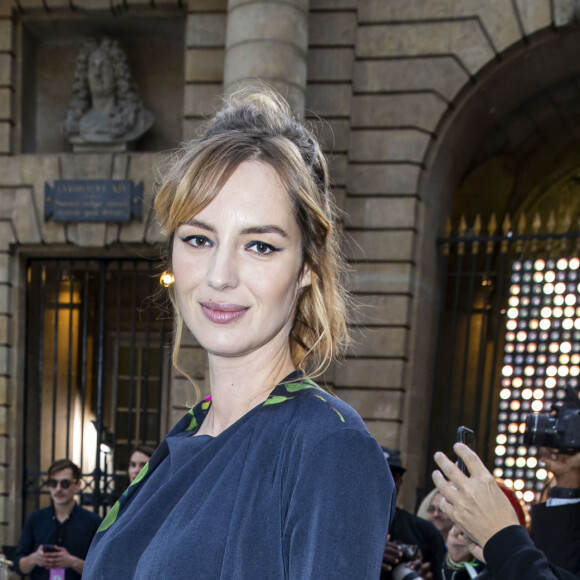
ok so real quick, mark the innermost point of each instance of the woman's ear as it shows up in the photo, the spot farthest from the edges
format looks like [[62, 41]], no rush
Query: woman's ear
[[305, 277]]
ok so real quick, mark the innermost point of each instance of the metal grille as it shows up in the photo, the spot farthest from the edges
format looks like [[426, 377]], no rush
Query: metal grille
[[475, 283], [98, 339]]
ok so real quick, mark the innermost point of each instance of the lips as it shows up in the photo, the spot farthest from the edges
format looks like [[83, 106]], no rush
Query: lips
[[223, 313]]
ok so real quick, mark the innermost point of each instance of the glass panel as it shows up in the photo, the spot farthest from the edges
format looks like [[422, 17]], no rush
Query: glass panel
[[152, 427], [123, 394]]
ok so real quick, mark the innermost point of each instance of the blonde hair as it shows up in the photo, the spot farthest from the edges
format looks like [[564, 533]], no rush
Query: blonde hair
[[259, 126], [423, 511]]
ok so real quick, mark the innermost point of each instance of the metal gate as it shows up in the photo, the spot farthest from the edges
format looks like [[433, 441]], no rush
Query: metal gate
[[98, 335], [478, 265]]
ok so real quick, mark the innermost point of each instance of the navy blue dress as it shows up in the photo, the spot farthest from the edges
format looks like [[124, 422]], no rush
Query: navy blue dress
[[297, 488]]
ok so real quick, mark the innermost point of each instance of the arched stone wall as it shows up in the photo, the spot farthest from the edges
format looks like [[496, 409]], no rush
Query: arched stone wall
[[437, 74]]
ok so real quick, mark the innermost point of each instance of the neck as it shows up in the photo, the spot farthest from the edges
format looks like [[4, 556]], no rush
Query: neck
[[63, 511], [104, 103], [239, 384]]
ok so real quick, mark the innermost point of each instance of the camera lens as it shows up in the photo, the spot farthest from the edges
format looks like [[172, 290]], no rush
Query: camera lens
[[541, 431]]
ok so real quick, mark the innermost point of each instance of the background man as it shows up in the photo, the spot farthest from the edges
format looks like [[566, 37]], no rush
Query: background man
[[64, 524], [409, 529]]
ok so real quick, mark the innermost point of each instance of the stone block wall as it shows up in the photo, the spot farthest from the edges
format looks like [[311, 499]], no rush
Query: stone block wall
[[6, 79], [205, 39], [378, 216], [383, 80], [413, 61]]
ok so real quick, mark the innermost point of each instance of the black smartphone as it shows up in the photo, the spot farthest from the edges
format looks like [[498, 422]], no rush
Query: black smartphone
[[467, 436], [48, 548]]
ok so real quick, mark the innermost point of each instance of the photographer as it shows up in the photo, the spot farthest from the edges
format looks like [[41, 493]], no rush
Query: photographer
[[415, 549], [478, 506], [556, 523]]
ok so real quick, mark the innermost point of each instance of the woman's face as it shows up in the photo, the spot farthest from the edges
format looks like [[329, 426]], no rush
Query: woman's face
[[136, 464], [440, 520], [237, 266]]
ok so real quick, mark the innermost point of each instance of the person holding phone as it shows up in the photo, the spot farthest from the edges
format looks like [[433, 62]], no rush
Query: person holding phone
[[55, 540], [482, 510]]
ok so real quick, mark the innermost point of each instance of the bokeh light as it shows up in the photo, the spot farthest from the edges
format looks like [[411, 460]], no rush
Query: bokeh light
[[541, 357]]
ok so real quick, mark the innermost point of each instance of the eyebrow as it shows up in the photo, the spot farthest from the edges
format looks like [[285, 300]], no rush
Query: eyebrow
[[266, 229]]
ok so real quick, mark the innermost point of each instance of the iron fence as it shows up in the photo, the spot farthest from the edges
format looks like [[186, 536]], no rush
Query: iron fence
[[97, 345], [476, 265]]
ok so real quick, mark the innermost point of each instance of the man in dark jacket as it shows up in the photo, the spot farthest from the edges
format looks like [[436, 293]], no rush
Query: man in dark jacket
[[55, 540], [556, 523]]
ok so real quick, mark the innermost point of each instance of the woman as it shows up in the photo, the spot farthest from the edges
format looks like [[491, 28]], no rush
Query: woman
[[270, 476], [430, 510], [139, 458]]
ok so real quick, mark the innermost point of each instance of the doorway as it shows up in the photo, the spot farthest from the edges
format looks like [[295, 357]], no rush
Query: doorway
[[98, 340]]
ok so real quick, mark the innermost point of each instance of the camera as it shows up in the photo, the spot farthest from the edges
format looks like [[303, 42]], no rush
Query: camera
[[560, 428], [401, 572], [410, 553]]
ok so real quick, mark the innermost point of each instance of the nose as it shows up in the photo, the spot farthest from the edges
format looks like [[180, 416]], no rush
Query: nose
[[97, 66], [223, 269]]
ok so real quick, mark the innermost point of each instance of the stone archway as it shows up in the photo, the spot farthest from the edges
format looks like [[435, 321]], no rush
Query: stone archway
[[484, 131]]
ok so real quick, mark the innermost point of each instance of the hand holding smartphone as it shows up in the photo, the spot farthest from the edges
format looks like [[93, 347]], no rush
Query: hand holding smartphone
[[466, 436], [47, 548]]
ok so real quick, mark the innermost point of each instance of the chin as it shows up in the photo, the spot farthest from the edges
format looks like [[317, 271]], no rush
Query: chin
[[232, 348], [227, 351], [235, 340]]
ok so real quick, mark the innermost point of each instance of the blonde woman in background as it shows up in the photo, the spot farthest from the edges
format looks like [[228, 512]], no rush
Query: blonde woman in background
[[429, 510]]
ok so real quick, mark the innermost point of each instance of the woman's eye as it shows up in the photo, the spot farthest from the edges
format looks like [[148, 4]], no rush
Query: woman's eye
[[261, 248], [197, 241]]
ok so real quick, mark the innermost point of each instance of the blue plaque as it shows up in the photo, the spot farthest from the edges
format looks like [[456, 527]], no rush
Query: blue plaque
[[93, 200]]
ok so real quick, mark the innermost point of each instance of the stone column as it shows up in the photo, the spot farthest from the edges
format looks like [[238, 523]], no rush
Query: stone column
[[268, 40]]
